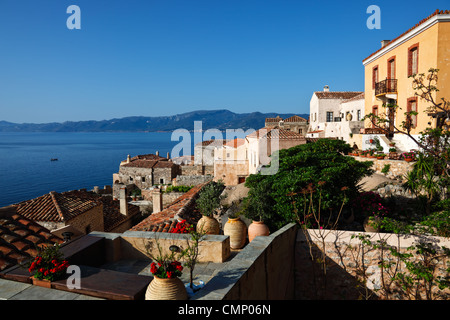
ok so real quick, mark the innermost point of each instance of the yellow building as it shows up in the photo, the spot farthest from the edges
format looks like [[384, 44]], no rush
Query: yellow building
[[387, 71]]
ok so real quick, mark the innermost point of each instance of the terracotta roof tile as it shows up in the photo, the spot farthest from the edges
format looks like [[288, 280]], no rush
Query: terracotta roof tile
[[19, 238], [235, 143], [344, 95], [276, 132], [149, 157], [295, 118], [182, 208], [55, 207]]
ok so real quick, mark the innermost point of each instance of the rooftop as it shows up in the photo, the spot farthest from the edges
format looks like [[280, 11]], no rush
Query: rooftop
[[19, 238], [343, 95], [421, 22], [275, 132]]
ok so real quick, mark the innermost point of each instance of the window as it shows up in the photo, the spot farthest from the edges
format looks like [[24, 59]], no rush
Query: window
[[375, 113], [374, 76], [300, 131], [413, 59], [329, 116], [412, 106], [143, 179], [358, 115], [391, 68], [161, 181]]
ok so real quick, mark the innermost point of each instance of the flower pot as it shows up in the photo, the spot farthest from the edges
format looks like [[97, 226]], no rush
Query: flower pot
[[257, 228], [41, 283], [208, 225], [166, 289], [369, 224], [380, 157], [408, 159], [237, 230]]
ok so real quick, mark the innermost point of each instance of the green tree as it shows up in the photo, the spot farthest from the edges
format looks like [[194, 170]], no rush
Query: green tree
[[303, 169], [209, 198]]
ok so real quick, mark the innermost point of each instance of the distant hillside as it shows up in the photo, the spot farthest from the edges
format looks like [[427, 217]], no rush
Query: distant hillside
[[218, 119]]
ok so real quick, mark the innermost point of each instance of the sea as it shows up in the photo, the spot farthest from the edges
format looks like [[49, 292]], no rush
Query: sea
[[84, 159]]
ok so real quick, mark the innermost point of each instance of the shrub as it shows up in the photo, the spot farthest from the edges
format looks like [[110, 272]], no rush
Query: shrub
[[305, 166]]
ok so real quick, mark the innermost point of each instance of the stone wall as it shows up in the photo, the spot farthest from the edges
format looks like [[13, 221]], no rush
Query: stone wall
[[398, 168], [264, 269], [191, 180], [347, 257]]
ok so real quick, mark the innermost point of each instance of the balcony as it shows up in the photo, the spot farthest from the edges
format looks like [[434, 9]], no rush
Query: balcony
[[386, 88]]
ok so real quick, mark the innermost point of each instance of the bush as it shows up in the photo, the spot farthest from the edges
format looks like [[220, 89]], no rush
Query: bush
[[305, 168], [209, 198]]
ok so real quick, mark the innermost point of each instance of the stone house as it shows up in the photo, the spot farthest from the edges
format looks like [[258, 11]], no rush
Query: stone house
[[294, 123], [58, 210], [238, 158], [144, 172], [79, 212], [231, 162]]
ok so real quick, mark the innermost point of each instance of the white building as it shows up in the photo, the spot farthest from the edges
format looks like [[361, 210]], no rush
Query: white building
[[336, 114]]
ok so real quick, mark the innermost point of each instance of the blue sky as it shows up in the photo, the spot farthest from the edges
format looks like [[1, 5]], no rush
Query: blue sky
[[164, 57]]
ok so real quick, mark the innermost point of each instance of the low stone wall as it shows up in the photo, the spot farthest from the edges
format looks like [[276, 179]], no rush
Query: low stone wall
[[137, 244], [192, 180], [347, 258], [264, 269], [398, 168]]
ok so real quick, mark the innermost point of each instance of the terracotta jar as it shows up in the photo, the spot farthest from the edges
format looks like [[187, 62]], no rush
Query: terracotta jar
[[257, 228], [237, 230], [208, 225], [166, 289], [369, 224]]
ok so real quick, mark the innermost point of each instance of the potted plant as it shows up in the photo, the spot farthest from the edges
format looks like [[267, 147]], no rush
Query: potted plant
[[408, 156], [380, 156], [369, 208], [371, 153], [48, 265], [208, 202], [257, 209], [236, 229], [166, 270]]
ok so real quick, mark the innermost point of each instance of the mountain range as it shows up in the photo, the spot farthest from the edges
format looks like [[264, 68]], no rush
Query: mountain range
[[211, 119]]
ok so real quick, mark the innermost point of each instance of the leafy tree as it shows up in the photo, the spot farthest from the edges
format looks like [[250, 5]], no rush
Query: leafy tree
[[304, 169], [209, 198]]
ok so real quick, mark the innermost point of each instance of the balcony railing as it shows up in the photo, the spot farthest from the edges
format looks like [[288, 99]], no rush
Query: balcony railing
[[385, 87]]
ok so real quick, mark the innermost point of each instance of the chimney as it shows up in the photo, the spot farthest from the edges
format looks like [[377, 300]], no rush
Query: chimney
[[384, 42], [128, 159], [168, 155], [123, 201], [157, 152], [326, 89], [157, 200]]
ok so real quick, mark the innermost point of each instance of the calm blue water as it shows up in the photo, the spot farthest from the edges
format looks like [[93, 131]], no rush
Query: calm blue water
[[85, 160]]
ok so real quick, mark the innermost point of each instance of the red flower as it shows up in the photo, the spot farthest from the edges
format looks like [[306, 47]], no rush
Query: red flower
[[169, 274]]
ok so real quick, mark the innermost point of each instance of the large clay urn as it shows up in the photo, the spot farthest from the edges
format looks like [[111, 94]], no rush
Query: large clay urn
[[237, 230], [166, 289], [208, 225], [257, 228]]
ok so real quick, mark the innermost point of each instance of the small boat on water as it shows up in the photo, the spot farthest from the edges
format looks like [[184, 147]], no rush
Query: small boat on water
[[54, 159]]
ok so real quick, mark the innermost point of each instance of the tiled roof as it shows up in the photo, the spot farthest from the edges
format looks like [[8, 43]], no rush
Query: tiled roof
[[182, 208], [149, 156], [57, 207], [212, 142], [357, 97], [437, 12], [235, 143], [19, 238], [276, 119], [295, 118], [64, 206], [145, 163], [337, 94], [281, 134]]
